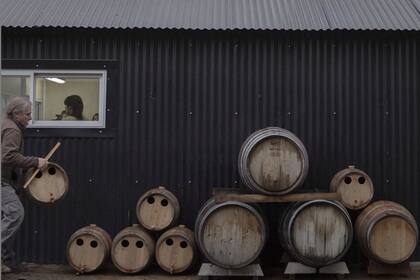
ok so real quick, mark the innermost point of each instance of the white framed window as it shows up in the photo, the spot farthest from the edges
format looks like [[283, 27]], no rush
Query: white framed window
[[60, 98]]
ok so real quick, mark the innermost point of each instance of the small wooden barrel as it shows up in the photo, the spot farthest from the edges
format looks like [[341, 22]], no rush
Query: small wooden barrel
[[273, 161], [354, 186], [230, 234], [175, 249], [317, 232], [157, 209], [88, 248], [387, 232], [49, 185], [132, 249]]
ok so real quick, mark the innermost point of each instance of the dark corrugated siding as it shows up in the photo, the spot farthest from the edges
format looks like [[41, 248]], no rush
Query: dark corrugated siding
[[182, 103]]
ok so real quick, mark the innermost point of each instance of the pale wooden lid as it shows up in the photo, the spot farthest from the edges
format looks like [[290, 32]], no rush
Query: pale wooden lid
[[175, 254], [356, 190], [86, 252], [49, 185], [320, 231], [156, 212], [392, 239], [233, 235], [275, 163], [131, 253]]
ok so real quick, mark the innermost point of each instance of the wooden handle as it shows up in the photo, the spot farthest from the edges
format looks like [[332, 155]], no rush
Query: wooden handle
[[47, 157]]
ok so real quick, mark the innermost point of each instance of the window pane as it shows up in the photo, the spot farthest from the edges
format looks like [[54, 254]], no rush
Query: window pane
[[12, 86], [66, 97]]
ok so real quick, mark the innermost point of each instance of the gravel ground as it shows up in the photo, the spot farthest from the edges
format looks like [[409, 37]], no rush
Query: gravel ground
[[64, 272]]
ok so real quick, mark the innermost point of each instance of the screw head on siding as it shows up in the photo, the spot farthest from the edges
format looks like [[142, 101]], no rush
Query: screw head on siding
[[137, 111], [108, 110]]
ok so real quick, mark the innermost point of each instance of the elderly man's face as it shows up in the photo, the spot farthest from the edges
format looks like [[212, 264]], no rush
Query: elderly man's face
[[24, 117]]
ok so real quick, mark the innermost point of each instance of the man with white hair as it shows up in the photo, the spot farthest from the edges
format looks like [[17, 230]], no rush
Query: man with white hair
[[13, 163]]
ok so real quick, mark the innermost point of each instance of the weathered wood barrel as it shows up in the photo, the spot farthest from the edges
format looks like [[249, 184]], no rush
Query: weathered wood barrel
[[354, 186], [132, 249], [157, 209], [316, 233], [230, 234], [273, 161], [88, 248], [175, 249], [48, 186], [387, 232]]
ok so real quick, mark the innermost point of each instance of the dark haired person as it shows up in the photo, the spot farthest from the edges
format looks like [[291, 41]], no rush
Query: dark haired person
[[74, 108], [13, 163]]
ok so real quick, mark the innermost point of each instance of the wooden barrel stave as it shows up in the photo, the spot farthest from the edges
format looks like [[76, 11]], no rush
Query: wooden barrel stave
[[48, 186], [132, 249], [387, 232], [354, 186], [88, 248], [157, 209], [273, 161], [317, 232], [230, 234], [175, 250]]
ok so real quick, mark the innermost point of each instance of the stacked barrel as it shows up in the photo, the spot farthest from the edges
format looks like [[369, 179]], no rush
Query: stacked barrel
[[232, 234], [134, 248], [387, 232]]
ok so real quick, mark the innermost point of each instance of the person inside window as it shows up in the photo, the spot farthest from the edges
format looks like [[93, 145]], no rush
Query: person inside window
[[73, 109]]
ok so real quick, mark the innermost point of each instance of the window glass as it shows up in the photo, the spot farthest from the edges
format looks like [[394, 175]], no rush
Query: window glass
[[13, 85], [66, 97]]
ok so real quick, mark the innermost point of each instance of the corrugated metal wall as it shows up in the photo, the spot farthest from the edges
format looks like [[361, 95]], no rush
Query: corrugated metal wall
[[182, 102]]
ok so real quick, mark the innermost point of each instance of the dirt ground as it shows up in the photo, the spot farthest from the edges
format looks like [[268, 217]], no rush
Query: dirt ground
[[63, 272]]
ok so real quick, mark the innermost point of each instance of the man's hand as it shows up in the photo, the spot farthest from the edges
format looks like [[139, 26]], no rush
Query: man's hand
[[42, 163]]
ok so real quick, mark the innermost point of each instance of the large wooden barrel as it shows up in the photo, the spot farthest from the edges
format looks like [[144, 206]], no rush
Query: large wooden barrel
[[354, 186], [157, 209], [49, 185], [316, 233], [387, 232], [175, 249], [132, 249], [273, 161], [230, 234], [88, 248]]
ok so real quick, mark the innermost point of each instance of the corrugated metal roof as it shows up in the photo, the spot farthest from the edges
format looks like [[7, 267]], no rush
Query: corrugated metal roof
[[214, 14]]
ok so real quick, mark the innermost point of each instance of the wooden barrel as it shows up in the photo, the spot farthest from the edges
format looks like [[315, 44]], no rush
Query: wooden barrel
[[88, 248], [157, 209], [387, 232], [230, 234], [49, 185], [273, 161], [316, 233], [132, 249], [354, 186], [175, 249]]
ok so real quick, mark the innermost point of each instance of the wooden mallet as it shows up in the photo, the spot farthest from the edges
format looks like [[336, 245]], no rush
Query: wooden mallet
[[47, 157]]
